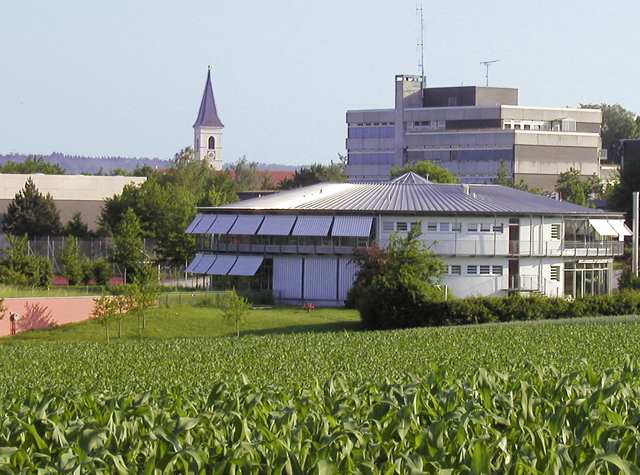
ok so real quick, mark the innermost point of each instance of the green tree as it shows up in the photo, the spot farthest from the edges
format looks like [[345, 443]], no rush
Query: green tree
[[145, 292], [76, 227], [617, 123], [72, 262], [128, 248], [104, 310], [246, 174], [505, 179], [23, 269], [32, 213], [235, 309], [32, 165], [408, 280], [316, 173], [427, 169], [576, 189]]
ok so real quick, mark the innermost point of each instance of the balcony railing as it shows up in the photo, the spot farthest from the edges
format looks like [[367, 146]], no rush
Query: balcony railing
[[461, 247]]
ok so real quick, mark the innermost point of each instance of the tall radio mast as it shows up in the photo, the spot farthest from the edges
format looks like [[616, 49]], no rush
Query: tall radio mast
[[421, 47]]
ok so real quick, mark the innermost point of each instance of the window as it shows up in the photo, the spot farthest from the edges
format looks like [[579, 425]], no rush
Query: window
[[432, 227], [497, 270], [498, 228], [472, 270], [454, 155], [417, 226], [555, 273], [453, 101], [472, 227], [387, 226], [485, 227], [401, 226], [444, 227], [485, 270], [455, 270], [555, 231], [212, 143], [457, 227], [441, 124]]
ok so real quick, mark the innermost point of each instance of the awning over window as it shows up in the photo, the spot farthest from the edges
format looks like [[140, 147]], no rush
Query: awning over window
[[222, 265], [222, 224], [204, 224], [246, 265], [621, 228], [602, 227], [193, 224], [354, 226], [312, 226], [246, 224], [203, 266], [194, 263], [276, 225]]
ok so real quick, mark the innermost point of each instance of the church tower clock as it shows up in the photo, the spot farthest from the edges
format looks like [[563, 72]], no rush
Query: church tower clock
[[208, 129]]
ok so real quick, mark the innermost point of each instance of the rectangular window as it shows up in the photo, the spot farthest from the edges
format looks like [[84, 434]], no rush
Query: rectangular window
[[454, 155], [457, 227], [472, 227], [417, 225], [472, 270], [444, 227], [432, 227], [555, 231], [555, 273], [455, 270], [401, 226], [387, 226], [485, 270], [497, 270], [498, 228], [485, 227]]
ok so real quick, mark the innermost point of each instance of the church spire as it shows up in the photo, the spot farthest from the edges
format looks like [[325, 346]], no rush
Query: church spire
[[208, 115], [208, 129]]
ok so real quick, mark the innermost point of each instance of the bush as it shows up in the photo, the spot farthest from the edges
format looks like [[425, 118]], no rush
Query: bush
[[102, 271]]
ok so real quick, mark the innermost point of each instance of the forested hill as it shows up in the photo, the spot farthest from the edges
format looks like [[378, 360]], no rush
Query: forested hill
[[74, 164]]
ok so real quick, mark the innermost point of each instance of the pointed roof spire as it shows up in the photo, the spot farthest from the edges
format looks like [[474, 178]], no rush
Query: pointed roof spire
[[208, 115]]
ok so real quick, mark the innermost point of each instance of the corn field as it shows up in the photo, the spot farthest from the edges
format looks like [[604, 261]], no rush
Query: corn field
[[370, 402]]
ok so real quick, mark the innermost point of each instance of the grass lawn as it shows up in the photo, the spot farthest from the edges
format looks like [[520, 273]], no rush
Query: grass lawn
[[197, 322]]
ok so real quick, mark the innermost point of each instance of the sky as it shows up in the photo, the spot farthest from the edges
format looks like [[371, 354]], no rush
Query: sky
[[125, 77]]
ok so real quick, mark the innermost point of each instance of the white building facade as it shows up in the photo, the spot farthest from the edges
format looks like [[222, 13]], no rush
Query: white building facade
[[493, 240]]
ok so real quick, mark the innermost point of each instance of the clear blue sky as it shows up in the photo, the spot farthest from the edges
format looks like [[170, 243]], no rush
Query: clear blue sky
[[125, 77]]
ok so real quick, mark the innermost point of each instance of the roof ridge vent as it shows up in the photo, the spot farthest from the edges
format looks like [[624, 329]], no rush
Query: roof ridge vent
[[465, 188]]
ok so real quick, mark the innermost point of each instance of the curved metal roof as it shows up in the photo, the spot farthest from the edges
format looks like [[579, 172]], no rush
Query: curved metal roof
[[398, 196]]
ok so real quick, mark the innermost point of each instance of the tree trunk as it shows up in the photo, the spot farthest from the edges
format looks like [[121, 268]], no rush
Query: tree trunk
[[120, 328], [107, 328]]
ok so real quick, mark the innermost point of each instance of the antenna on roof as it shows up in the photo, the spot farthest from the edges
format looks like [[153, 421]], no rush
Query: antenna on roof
[[487, 64], [420, 45]]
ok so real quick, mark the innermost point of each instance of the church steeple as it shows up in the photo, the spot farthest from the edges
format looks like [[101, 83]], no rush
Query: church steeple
[[208, 128]]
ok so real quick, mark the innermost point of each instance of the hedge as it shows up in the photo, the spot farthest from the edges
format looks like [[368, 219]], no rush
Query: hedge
[[473, 310]]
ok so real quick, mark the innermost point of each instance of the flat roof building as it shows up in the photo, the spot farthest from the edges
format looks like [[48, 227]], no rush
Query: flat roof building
[[470, 131]]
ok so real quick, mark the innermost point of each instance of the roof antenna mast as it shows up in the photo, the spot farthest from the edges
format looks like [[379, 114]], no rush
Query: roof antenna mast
[[420, 46], [487, 64]]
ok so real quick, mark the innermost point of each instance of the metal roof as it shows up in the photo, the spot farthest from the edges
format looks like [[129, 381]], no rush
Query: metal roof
[[399, 197], [208, 114]]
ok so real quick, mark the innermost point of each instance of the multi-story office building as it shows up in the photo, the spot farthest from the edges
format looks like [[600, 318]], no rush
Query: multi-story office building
[[470, 131]]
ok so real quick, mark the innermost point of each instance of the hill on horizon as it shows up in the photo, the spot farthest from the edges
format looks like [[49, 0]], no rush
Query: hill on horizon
[[76, 164]]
